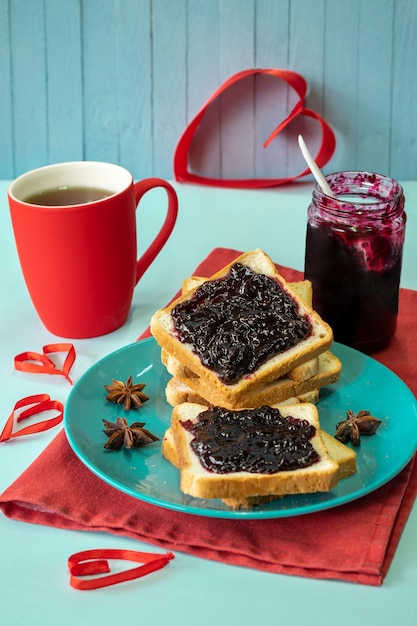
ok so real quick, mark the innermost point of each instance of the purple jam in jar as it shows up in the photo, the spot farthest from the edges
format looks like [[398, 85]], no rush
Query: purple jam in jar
[[353, 257]]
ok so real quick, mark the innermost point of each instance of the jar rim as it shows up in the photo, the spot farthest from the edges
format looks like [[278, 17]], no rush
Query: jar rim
[[361, 181]]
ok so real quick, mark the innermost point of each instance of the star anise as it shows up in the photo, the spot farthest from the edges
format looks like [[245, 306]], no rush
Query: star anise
[[131, 396], [354, 426], [120, 434]]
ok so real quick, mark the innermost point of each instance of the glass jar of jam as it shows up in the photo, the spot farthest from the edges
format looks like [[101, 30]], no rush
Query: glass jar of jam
[[353, 257]]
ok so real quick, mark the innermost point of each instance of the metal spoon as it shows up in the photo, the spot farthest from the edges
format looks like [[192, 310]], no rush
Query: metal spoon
[[315, 170]]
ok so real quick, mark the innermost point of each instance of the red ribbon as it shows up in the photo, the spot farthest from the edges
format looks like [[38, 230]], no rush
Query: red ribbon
[[92, 562], [38, 404], [44, 365], [296, 82]]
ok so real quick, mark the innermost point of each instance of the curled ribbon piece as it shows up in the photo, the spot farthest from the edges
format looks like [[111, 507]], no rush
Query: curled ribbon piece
[[36, 363], [299, 85], [37, 404], [93, 562]]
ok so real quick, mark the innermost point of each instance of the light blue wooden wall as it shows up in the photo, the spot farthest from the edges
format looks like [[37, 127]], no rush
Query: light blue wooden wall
[[118, 80]]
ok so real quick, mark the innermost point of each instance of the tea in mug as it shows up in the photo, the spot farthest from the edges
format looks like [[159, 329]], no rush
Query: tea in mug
[[68, 196]]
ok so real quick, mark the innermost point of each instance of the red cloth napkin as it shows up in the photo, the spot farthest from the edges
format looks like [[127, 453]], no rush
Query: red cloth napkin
[[355, 542]]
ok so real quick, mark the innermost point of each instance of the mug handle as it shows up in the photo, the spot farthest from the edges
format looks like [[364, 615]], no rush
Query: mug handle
[[140, 188]]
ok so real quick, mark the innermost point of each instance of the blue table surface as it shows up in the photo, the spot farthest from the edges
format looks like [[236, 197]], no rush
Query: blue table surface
[[34, 581]]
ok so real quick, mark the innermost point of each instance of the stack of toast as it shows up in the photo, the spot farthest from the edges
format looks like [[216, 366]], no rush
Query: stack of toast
[[296, 374], [292, 376]]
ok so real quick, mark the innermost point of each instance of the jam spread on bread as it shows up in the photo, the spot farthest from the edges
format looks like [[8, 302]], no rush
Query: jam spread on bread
[[259, 441], [237, 322]]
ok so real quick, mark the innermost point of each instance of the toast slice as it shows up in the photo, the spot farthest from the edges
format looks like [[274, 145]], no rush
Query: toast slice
[[270, 393], [177, 392], [345, 456], [304, 371], [342, 454], [318, 338], [319, 472]]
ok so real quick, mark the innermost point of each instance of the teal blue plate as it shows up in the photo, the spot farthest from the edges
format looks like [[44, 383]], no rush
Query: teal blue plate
[[146, 475]]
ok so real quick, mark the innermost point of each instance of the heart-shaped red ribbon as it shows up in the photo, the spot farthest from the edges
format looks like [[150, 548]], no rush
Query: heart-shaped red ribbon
[[36, 363], [92, 562], [37, 404], [299, 85]]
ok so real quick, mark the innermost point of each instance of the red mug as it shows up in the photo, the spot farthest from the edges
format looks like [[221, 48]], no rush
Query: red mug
[[75, 231]]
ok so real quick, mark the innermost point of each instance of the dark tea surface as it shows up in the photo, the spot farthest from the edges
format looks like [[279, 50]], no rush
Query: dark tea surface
[[67, 196]]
